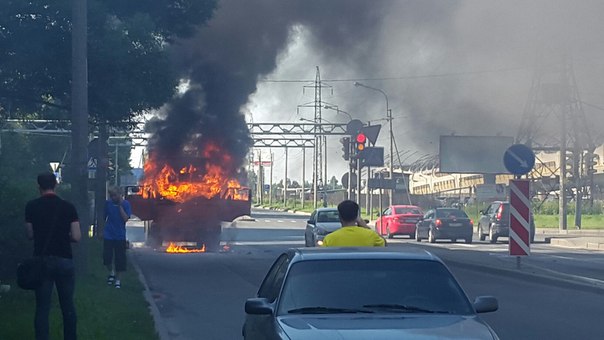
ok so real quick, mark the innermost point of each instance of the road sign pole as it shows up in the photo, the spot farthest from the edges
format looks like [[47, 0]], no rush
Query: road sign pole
[[520, 218]]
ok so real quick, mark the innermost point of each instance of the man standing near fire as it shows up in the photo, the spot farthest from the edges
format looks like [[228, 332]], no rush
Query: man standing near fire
[[117, 213]]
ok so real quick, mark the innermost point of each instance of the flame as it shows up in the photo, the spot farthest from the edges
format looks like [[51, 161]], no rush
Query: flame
[[161, 180], [173, 248]]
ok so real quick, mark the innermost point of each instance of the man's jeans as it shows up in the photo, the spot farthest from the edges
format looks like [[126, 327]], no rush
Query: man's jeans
[[59, 272]]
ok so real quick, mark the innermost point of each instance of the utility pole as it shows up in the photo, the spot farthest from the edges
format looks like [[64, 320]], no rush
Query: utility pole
[[325, 176], [359, 182], [303, 176], [101, 179], [562, 199], [285, 182], [259, 187], [270, 190], [554, 120], [79, 120], [318, 137]]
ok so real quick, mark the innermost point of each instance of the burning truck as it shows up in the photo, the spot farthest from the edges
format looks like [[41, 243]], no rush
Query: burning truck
[[185, 198]]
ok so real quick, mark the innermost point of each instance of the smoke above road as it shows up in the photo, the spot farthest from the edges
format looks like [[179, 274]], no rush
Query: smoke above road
[[454, 67]]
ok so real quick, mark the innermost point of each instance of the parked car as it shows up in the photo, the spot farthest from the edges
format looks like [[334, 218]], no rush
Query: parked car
[[444, 223], [495, 222], [331, 294], [321, 223], [398, 220]]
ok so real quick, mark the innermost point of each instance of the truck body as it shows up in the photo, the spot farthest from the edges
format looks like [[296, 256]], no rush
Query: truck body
[[195, 220]]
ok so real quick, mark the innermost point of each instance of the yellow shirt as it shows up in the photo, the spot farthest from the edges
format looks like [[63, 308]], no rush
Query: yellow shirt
[[353, 236]]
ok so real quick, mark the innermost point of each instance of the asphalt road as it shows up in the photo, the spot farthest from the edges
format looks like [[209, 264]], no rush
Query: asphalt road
[[201, 296]]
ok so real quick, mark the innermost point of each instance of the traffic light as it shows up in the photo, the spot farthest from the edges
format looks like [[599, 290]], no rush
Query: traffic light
[[570, 165], [591, 161], [360, 142], [345, 147]]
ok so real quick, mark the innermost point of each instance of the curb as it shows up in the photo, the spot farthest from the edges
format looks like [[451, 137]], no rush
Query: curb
[[568, 243], [160, 328], [560, 279]]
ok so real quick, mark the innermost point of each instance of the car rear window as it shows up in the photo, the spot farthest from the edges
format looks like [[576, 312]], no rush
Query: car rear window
[[328, 216], [444, 213], [409, 210], [353, 283]]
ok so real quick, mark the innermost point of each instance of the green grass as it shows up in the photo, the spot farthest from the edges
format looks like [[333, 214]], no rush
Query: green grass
[[104, 312], [587, 221]]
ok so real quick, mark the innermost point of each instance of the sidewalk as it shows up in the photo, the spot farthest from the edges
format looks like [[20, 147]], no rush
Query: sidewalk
[[588, 239]]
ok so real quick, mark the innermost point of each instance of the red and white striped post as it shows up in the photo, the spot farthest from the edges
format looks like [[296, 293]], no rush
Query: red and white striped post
[[520, 218]]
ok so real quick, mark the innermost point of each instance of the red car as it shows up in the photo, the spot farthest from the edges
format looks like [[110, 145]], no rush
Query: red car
[[398, 220]]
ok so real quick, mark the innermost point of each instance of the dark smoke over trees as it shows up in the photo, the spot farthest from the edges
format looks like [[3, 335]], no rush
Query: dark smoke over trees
[[378, 39]]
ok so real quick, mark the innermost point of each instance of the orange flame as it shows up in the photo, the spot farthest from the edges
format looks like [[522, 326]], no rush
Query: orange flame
[[173, 248], [190, 182]]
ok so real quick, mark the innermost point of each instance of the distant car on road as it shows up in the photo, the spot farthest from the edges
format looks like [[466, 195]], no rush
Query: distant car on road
[[444, 223], [495, 222], [354, 293], [321, 223], [398, 220]]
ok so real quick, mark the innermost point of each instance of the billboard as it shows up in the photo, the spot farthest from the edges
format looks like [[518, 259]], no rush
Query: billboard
[[473, 154]]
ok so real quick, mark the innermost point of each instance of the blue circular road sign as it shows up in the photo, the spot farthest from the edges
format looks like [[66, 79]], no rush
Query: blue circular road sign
[[519, 159]]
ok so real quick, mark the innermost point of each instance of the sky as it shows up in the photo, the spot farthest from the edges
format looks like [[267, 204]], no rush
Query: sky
[[448, 67]]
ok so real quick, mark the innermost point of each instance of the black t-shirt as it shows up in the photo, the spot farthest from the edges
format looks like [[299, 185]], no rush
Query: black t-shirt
[[42, 213]]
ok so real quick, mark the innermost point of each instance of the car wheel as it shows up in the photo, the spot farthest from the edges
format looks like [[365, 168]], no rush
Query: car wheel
[[480, 233], [417, 238], [468, 240], [492, 236], [306, 241], [388, 234], [431, 237]]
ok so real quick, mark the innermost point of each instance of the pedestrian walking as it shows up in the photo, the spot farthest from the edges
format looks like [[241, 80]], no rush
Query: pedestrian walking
[[117, 213]]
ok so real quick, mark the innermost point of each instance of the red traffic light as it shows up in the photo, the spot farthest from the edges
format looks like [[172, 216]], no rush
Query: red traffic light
[[361, 138]]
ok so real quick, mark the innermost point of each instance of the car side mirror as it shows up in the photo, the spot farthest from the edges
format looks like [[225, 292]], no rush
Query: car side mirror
[[481, 212], [486, 304], [258, 306], [366, 221], [379, 214], [310, 222]]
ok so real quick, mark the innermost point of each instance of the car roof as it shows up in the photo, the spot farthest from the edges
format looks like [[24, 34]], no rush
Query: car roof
[[405, 206], [360, 253], [326, 209]]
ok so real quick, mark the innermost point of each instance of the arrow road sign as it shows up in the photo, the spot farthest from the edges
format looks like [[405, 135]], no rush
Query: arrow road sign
[[519, 159]]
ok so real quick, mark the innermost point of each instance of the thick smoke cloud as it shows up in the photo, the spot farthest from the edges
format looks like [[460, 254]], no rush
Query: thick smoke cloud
[[248, 40]]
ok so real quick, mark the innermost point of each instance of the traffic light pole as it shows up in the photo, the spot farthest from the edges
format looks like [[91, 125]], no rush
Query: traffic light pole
[[359, 182]]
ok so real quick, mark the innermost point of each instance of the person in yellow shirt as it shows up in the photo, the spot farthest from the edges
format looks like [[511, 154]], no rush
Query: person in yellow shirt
[[354, 231]]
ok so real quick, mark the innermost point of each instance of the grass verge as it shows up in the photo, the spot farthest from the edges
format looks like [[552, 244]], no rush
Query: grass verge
[[587, 221], [104, 312]]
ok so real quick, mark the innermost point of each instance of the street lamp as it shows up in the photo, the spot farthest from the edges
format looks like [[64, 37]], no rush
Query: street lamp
[[337, 109], [389, 118]]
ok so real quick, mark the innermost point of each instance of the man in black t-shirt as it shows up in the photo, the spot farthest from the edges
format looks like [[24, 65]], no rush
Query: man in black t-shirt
[[52, 224]]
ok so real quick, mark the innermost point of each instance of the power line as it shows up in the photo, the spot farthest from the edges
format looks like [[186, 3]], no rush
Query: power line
[[420, 76]]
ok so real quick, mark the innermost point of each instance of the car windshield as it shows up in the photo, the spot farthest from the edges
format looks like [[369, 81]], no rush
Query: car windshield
[[407, 210], [328, 216], [391, 286], [448, 213]]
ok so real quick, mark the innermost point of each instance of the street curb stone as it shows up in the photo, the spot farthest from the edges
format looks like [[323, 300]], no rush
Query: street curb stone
[[160, 328]]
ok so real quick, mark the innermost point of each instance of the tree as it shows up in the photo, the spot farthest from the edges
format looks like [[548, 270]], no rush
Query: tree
[[129, 65]]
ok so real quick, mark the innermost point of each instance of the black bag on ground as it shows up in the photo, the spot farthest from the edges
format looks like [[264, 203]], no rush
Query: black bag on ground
[[31, 272]]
